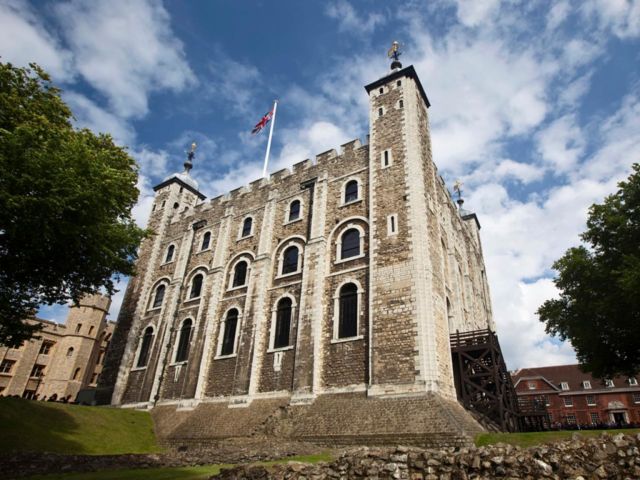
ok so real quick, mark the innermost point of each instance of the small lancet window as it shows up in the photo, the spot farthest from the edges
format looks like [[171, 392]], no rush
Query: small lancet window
[[229, 334], [380, 112], [283, 323], [351, 191], [170, 251], [206, 241], [294, 210], [348, 318], [240, 274], [145, 347], [350, 243], [196, 286], [290, 260], [246, 227], [159, 296], [182, 354]]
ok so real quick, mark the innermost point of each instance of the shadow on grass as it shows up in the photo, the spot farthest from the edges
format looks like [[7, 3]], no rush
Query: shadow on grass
[[27, 425]]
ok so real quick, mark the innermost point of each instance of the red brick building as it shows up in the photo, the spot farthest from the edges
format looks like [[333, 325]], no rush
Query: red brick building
[[573, 397]]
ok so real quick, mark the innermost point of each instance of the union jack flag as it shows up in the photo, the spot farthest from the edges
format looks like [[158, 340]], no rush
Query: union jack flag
[[262, 123]]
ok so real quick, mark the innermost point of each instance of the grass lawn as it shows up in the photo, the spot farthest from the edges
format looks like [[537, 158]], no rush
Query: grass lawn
[[530, 439], [73, 429], [178, 473]]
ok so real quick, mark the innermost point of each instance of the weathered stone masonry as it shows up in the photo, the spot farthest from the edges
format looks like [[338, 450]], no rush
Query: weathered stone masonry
[[417, 276]]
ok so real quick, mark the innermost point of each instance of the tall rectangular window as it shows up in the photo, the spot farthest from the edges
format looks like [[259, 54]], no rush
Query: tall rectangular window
[[45, 348], [568, 402], [591, 400], [392, 224], [595, 418]]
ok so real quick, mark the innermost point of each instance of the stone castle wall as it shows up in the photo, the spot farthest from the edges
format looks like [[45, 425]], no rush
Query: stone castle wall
[[417, 279]]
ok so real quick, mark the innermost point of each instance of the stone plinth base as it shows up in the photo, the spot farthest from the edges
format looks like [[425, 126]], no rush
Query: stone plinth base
[[338, 419]]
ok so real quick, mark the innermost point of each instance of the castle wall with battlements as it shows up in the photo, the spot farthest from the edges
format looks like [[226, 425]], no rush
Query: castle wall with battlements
[[417, 276]]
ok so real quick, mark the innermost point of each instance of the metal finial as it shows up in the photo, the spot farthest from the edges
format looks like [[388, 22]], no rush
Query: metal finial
[[457, 187], [188, 165], [394, 53]]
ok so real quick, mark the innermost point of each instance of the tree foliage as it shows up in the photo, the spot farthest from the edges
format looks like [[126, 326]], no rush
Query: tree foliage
[[599, 305], [65, 203]]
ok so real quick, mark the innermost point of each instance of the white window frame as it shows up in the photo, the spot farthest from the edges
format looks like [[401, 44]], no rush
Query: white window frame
[[194, 272], [633, 381], [202, 240], [253, 227], [290, 243], [274, 318], [288, 209], [390, 156], [392, 225], [564, 386], [568, 402], [152, 295], [349, 226], [531, 385], [139, 347], [232, 270], [591, 415], [173, 257], [635, 397], [608, 383], [586, 384], [177, 341], [221, 329], [336, 311], [343, 191], [595, 402]]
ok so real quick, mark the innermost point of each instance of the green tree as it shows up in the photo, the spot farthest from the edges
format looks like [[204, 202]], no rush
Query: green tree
[[65, 203], [599, 305]]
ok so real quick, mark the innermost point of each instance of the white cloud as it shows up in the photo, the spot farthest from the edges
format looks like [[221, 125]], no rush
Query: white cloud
[[24, 39], [125, 49], [91, 116], [561, 143], [352, 21], [233, 86], [622, 17], [558, 14], [473, 12]]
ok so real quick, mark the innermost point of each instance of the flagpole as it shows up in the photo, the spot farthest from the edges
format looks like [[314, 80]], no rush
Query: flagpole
[[273, 122]]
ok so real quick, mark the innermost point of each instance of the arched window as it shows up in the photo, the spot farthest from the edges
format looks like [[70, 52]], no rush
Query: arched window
[[351, 191], [196, 286], [159, 296], [348, 316], [76, 374], [170, 251], [246, 227], [294, 210], [70, 352], [350, 243], [240, 274], [183, 341], [206, 241], [145, 347], [290, 260], [229, 334], [283, 323]]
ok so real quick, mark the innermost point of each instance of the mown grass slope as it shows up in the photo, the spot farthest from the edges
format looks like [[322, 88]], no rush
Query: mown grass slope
[[72, 429], [530, 439]]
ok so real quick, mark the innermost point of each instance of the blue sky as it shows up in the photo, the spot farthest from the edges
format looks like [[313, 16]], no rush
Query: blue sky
[[535, 105]]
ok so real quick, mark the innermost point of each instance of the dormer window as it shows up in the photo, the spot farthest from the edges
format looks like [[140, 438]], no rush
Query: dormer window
[[564, 386], [608, 383], [586, 385], [531, 385], [633, 382]]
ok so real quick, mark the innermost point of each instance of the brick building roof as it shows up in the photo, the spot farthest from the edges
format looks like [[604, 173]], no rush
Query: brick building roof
[[571, 374]]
